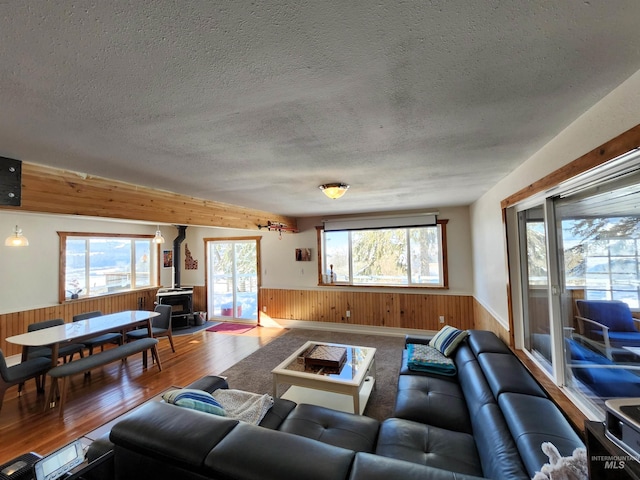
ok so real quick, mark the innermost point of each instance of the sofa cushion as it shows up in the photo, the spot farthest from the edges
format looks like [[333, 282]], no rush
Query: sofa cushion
[[355, 432], [505, 373], [498, 452], [434, 401], [448, 339], [533, 420], [250, 452], [376, 467], [428, 445], [482, 341], [474, 386], [463, 354]]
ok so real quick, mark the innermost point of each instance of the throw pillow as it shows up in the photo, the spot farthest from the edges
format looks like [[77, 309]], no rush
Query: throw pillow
[[174, 396], [448, 339], [200, 406]]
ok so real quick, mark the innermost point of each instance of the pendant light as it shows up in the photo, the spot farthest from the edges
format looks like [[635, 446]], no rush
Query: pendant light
[[17, 239], [158, 238]]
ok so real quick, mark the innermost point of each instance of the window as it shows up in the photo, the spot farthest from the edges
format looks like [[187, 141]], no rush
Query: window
[[404, 257], [99, 264]]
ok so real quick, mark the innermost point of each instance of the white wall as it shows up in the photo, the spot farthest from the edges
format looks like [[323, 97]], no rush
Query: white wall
[[29, 276], [281, 270], [613, 115]]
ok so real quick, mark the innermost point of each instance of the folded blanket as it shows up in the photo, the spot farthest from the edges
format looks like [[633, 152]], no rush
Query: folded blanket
[[246, 406], [424, 358]]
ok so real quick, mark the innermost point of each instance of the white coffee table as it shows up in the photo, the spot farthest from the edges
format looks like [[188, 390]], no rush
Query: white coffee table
[[347, 390]]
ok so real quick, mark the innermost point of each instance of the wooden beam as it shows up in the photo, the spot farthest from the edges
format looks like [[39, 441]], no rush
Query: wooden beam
[[51, 190], [623, 143]]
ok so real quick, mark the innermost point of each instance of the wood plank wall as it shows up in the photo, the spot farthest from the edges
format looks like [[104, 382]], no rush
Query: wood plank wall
[[17, 322], [485, 321], [400, 310]]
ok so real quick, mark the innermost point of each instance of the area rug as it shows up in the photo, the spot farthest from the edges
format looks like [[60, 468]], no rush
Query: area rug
[[226, 327], [176, 332], [254, 372]]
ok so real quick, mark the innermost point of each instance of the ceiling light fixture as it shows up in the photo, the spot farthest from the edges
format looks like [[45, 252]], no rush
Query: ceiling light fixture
[[334, 190], [158, 238], [17, 239]]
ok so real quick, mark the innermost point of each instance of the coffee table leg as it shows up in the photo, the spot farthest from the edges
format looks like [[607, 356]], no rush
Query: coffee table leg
[[372, 371], [356, 402], [275, 386]]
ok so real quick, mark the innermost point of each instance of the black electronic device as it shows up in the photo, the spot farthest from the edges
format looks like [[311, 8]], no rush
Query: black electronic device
[[20, 468], [60, 462], [623, 424]]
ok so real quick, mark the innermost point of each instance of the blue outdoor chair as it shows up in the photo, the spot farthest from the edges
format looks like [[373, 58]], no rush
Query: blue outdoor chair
[[608, 322]]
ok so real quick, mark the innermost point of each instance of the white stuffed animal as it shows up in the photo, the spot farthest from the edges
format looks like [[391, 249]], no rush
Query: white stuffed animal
[[563, 468]]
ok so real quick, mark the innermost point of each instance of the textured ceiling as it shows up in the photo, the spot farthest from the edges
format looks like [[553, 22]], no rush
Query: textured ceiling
[[415, 104]]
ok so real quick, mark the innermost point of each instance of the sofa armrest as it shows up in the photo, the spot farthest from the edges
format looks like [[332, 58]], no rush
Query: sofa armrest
[[209, 383], [419, 339]]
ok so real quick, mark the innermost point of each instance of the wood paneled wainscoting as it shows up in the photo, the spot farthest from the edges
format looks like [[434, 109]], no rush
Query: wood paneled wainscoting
[[17, 322], [399, 310]]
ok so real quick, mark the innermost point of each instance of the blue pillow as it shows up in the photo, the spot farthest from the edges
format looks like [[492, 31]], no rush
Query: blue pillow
[[200, 406], [448, 339], [189, 395]]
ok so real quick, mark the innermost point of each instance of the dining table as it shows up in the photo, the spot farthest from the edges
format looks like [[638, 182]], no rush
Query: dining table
[[75, 332]]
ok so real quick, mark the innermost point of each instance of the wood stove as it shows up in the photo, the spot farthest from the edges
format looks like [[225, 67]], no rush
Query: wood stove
[[181, 301]]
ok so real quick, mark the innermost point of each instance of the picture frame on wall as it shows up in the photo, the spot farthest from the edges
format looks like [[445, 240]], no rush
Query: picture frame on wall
[[167, 258], [303, 254]]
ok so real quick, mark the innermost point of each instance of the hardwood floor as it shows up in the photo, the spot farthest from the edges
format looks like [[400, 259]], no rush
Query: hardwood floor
[[116, 388]]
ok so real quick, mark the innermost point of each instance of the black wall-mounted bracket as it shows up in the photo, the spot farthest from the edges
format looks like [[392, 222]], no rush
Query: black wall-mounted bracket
[[10, 182]]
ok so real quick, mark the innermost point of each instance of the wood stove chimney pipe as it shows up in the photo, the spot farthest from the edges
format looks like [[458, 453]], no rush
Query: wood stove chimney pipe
[[182, 229]]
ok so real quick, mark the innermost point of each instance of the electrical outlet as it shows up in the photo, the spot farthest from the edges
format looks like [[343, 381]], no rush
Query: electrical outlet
[[348, 313], [264, 308], [441, 318]]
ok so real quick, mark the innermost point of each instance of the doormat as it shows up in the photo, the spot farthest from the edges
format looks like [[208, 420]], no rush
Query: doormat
[[226, 327]]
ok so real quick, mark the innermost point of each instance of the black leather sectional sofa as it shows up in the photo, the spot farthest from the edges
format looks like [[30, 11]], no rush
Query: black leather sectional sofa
[[489, 421]]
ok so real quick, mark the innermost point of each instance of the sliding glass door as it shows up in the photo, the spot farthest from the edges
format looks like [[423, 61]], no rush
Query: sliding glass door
[[232, 278], [579, 263]]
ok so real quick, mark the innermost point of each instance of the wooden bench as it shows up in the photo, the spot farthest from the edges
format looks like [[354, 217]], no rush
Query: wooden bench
[[85, 364]]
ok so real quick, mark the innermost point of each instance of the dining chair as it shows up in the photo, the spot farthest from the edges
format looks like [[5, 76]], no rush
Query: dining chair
[[64, 351], [100, 340], [35, 368], [160, 326]]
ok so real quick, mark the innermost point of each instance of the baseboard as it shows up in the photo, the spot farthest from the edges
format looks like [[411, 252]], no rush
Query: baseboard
[[351, 328]]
